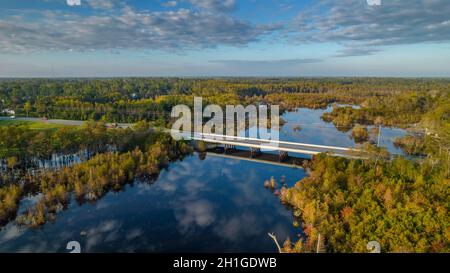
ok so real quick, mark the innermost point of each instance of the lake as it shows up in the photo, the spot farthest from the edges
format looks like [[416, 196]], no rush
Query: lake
[[316, 131], [216, 204], [210, 205]]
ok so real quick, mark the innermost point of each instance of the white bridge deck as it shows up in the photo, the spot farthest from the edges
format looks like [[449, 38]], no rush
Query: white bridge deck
[[273, 145]]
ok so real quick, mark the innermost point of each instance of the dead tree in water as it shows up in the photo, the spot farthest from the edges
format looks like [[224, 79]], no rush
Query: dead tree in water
[[272, 235]]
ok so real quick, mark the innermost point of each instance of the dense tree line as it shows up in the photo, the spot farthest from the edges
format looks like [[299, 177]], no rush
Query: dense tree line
[[402, 109], [133, 99], [19, 145], [21, 142], [412, 145], [400, 204]]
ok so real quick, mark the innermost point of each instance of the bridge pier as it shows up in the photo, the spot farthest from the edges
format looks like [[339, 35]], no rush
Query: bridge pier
[[255, 152], [283, 156], [229, 148]]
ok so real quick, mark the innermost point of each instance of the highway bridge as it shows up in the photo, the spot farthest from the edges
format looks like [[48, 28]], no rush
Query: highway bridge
[[257, 145]]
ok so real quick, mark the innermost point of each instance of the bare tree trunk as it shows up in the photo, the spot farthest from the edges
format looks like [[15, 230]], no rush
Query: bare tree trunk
[[272, 235], [318, 244]]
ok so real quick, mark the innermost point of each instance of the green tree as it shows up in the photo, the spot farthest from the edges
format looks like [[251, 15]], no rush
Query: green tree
[[12, 162], [360, 134], [27, 107]]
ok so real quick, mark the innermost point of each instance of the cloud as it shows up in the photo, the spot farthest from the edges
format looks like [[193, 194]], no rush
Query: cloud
[[10, 232], [195, 213], [237, 228], [106, 231], [101, 4], [170, 4], [356, 51], [126, 28], [134, 233], [266, 62], [95, 4], [357, 24], [215, 5], [74, 3]]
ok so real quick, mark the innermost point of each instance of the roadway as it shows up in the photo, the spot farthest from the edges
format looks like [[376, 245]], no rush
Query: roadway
[[63, 122]]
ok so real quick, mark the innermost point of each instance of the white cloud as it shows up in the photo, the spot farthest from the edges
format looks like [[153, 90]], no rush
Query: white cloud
[[215, 5], [169, 4], [74, 3], [356, 24], [127, 28], [195, 213], [101, 4]]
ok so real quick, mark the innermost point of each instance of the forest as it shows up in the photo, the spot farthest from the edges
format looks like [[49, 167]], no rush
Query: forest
[[135, 99], [138, 153], [401, 203]]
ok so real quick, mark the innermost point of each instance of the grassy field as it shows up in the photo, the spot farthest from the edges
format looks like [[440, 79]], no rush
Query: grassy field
[[32, 124]]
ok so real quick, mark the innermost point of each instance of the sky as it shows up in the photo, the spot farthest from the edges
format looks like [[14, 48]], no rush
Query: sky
[[197, 38]]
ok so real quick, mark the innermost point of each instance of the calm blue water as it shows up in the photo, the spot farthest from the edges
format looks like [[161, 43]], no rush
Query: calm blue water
[[214, 205], [315, 131]]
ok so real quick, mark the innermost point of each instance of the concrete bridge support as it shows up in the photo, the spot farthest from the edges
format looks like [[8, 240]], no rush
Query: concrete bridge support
[[283, 156], [229, 148], [255, 152]]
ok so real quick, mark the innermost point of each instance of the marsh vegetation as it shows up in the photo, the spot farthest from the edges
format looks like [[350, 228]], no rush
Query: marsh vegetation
[[113, 158]]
